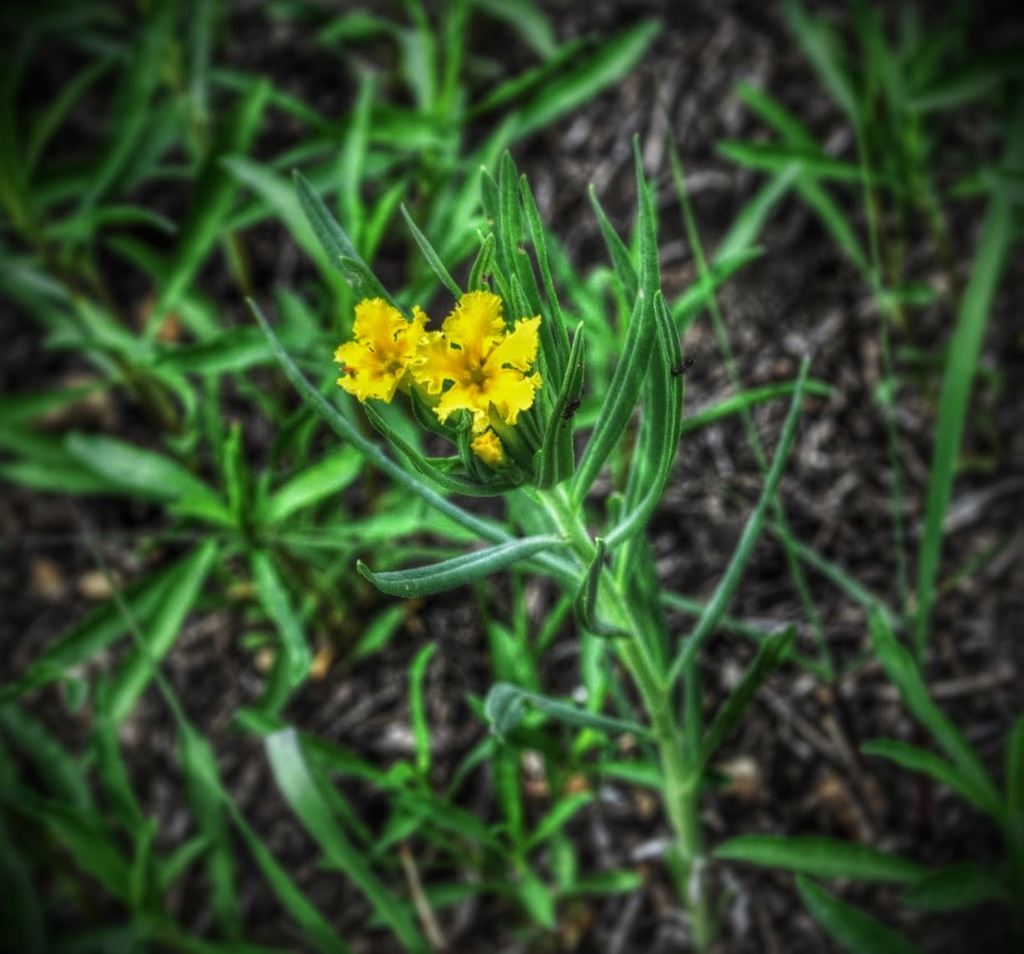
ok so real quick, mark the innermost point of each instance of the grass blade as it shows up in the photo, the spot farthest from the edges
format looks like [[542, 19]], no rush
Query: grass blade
[[300, 789], [820, 857], [719, 601], [851, 928], [961, 366]]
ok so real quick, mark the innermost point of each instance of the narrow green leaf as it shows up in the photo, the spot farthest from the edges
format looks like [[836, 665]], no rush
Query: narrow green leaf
[[772, 157], [483, 265], [958, 886], [641, 336], [556, 458], [820, 857], [851, 928], [336, 243], [1015, 769], [61, 775], [903, 671], [599, 68], [160, 634], [300, 789], [556, 819], [928, 763], [133, 109], [326, 478], [199, 766], [418, 709], [719, 602], [274, 597], [234, 350], [822, 46], [506, 705], [98, 630], [24, 921], [430, 254], [556, 319], [792, 130], [771, 653], [964, 350], [460, 570], [655, 456], [737, 403], [111, 766], [622, 261], [585, 604], [212, 197], [143, 473]]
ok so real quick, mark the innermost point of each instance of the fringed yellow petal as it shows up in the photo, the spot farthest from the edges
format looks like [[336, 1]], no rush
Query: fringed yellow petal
[[519, 349], [487, 447], [376, 362], [475, 325]]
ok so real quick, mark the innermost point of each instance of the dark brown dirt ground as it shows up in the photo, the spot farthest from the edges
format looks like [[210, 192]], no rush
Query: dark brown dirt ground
[[798, 747]]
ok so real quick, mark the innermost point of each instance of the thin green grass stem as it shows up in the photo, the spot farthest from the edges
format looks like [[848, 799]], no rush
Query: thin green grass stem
[[722, 337]]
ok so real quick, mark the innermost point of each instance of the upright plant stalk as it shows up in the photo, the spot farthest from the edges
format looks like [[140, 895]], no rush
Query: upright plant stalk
[[681, 783]]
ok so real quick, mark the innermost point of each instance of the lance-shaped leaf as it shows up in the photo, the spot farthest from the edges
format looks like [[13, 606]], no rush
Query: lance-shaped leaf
[[430, 254], [622, 262], [585, 603], [483, 266], [506, 705], [158, 637], [771, 654], [821, 857], [719, 602], [213, 195], [958, 886], [468, 568], [928, 763], [555, 459], [903, 671], [855, 931], [641, 336], [556, 319], [339, 248], [663, 426], [301, 788]]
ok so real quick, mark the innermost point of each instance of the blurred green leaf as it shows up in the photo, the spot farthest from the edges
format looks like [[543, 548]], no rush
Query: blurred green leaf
[[300, 789], [820, 857], [902, 670], [956, 887], [213, 193], [772, 652], [928, 763], [505, 707], [276, 601], [852, 929], [326, 478], [162, 630]]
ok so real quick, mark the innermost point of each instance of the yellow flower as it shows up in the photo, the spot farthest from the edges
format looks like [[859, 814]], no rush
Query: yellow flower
[[375, 364], [487, 447], [483, 360]]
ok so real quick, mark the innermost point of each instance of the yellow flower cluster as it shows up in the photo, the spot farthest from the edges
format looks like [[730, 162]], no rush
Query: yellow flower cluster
[[472, 363]]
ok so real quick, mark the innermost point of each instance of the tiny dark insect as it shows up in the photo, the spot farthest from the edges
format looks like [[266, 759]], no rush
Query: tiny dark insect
[[570, 409], [682, 367]]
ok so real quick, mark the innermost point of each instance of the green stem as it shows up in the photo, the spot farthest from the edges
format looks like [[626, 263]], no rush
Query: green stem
[[681, 787]]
